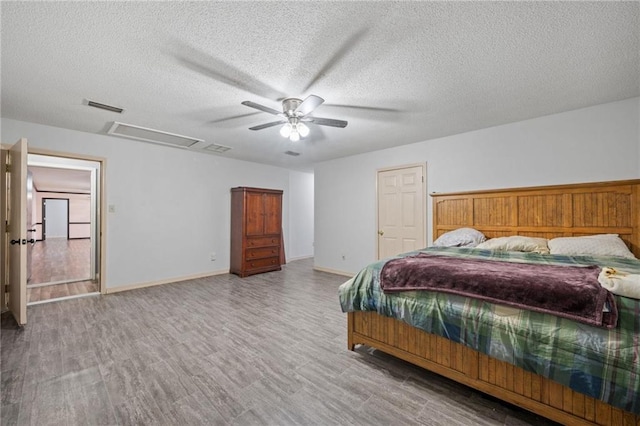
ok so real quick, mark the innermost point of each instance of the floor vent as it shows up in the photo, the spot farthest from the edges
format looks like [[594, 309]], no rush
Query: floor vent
[[292, 153], [217, 148], [151, 135], [105, 107]]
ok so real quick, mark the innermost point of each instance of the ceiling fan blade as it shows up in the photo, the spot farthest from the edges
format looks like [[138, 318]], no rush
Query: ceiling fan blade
[[366, 108], [264, 126], [312, 102], [349, 45], [233, 117], [261, 107], [204, 63], [367, 112], [327, 121]]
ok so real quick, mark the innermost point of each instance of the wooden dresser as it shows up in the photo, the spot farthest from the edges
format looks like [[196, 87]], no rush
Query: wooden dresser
[[256, 230]]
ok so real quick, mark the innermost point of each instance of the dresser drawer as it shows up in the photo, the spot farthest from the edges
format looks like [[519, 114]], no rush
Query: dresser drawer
[[268, 262], [261, 252], [263, 242]]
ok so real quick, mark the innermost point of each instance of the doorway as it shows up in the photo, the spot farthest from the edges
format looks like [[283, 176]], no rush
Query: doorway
[[401, 209], [64, 259]]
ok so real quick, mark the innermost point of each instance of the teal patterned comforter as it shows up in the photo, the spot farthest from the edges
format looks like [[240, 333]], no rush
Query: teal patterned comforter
[[604, 364]]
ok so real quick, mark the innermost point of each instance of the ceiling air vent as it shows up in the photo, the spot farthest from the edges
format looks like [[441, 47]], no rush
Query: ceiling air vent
[[150, 135], [292, 153], [104, 106], [217, 148]]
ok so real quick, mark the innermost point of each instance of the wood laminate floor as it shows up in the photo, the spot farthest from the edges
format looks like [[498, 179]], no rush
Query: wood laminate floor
[[269, 349], [59, 259]]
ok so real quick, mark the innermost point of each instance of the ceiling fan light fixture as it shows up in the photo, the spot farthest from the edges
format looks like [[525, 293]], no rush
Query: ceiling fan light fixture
[[285, 131], [294, 130], [303, 130]]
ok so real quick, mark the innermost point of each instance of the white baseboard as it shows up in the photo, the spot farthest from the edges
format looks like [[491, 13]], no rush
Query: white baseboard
[[58, 282], [60, 299], [111, 290], [293, 259], [333, 271]]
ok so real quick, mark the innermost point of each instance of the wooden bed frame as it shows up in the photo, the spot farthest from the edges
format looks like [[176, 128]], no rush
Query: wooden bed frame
[[548, 212]]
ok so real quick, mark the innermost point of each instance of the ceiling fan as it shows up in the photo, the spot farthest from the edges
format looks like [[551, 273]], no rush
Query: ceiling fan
[[295, 112]]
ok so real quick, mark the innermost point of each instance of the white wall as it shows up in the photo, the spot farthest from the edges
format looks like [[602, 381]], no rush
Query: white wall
[[171, 205], [597, 143], [300, 216]]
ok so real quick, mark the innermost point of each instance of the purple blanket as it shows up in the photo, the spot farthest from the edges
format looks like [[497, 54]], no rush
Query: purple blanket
[[565, 291]]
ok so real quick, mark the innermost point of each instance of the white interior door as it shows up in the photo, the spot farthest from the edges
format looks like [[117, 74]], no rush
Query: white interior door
[[55, 216], [18, 232], [401, 210]]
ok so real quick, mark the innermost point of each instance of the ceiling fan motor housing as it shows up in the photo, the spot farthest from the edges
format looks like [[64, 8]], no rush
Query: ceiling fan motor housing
[[289, 105]]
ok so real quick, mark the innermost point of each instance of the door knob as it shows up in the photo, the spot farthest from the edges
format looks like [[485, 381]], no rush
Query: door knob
[[381, 232], [14, 242], [32, 241], [31, 230]]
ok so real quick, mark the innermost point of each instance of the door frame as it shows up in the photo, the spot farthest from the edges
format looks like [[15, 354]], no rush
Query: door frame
[[44, 223], [101, 217], [424, 199], [4, 267]]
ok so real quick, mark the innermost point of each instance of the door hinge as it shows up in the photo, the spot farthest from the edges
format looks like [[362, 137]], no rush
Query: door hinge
[[422, 179], [8, 168], [6, 288], [6, 226]]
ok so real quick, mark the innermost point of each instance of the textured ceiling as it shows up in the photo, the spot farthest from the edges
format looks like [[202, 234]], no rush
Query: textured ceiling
[[399, 72], [60, 180]]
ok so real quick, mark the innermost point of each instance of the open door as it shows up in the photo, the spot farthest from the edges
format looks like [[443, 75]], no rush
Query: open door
[[18, 231]]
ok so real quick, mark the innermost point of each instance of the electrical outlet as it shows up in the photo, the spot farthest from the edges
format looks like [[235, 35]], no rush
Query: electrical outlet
[[212, 256]]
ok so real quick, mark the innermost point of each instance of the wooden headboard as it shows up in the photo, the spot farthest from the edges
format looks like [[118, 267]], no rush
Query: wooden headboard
[[545, 211]]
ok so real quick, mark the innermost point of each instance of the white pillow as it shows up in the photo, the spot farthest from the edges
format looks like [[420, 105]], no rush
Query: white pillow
[[516, 243], [461, 237], [592, 245]]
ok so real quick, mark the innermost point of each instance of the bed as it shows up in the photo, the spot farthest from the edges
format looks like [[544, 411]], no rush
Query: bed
[[546, 212]]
